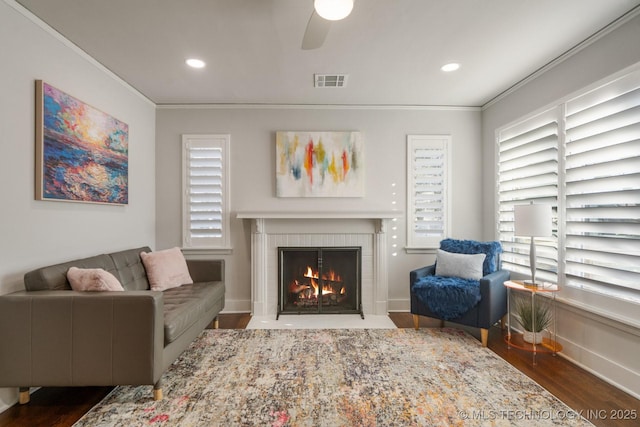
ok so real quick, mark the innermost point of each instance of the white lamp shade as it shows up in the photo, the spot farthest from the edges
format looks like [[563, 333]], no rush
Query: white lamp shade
[[333, 10], [533, 220]]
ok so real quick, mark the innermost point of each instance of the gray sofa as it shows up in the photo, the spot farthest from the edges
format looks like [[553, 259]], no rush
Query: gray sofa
[[54, 336]]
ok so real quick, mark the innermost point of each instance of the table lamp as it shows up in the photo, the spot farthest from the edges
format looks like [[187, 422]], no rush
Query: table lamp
[[533, 220]]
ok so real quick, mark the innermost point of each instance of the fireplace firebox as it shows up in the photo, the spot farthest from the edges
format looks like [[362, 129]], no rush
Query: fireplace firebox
[[319, 280]]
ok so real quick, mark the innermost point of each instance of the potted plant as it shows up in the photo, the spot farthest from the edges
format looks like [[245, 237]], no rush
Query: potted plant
[[542, 316]]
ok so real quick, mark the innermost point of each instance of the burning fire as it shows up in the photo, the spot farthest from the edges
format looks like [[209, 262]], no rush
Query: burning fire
[[313, 276], [331, 275]]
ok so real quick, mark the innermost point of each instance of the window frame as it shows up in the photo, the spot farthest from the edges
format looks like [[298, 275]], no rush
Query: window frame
[[415, 243], [537, 136], [221, 142]]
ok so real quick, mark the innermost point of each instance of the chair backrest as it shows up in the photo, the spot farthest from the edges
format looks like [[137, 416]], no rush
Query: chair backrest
[[491, 249]]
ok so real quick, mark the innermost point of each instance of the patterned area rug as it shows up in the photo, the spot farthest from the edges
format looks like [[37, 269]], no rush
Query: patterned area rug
[[370, 377]]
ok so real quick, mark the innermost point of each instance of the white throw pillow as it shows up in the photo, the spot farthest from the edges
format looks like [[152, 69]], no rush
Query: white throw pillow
[[166, 269], [464, 266], [92, 279]]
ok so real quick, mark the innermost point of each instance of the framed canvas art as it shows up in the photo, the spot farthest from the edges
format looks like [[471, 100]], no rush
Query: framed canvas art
[[319, 164], [82, 154]]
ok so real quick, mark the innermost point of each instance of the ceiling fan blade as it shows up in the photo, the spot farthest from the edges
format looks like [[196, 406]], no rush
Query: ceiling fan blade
[[316, 32]]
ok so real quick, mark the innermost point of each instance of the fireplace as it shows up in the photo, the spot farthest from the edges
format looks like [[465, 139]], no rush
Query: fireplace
[[272, 230], [319, 280]]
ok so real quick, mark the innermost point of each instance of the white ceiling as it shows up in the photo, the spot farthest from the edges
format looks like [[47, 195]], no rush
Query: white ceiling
[[392, 50]]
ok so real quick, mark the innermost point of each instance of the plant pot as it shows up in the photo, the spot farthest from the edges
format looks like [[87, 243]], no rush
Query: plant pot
[[528, 337]]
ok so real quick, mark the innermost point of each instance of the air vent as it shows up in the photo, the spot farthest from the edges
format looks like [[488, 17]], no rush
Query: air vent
[[330, 80]]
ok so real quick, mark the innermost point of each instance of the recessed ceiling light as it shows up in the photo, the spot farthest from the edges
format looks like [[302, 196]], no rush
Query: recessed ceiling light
[[195, 63], [452, 66]]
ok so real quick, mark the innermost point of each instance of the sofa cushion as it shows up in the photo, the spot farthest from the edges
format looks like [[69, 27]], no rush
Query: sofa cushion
[[166, 269], [92, 279], [185, 305], [130, 270], [54, 277]]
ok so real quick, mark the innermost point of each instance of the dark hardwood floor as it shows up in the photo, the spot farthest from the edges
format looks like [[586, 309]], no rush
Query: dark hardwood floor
[[599, 402]]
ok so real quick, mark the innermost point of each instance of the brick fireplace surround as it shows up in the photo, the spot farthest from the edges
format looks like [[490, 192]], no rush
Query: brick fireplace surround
[[271, 230]]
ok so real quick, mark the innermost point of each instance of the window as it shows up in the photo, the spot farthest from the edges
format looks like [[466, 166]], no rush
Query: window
[[428, 195], [596, 193], [602, 178], [528, 172], [205, 186]]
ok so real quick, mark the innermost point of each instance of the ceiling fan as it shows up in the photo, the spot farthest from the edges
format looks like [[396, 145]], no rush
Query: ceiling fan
[[324, 11]]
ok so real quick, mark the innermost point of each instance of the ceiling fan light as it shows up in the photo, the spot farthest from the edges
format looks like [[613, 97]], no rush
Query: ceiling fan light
[[195, 63], [333, 10]]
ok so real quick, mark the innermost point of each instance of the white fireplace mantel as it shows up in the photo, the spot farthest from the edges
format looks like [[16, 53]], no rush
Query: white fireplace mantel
[[318, 215], [265, 240]]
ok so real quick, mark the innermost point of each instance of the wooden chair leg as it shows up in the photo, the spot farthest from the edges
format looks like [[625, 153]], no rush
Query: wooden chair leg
[[24, 396], [442, 323], [416, 321], [484, 336], [503, 322]]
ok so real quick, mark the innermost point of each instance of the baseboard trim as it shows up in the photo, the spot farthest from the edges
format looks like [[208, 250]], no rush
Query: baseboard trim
[[237, 306], [604, 364], [398, 305]]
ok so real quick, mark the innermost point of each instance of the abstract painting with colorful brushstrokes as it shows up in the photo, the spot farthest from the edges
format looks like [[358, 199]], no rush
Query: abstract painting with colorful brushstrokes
[[81, 152], [319, 164]]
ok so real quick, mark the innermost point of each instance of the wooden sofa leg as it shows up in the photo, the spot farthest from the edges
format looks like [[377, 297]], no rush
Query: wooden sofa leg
[[24, 396], [416, 321], [157, 391], [484, 336], [215, 324]]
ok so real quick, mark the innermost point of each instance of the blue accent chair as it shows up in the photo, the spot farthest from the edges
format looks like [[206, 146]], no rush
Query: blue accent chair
[[492, 306]]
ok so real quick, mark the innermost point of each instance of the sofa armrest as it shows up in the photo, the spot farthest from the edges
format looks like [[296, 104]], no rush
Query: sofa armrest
[[206, 270], [494, 298], [68, 338], [419, 273]]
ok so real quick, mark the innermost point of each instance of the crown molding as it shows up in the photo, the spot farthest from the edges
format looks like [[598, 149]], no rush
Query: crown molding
[[314, 107], [568, 54]]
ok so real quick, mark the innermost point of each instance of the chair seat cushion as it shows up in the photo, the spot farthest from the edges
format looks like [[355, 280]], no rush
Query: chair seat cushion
[[448, 297]]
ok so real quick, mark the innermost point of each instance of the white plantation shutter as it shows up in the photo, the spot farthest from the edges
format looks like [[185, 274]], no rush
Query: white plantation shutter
[[603, 186], [428, 193], [205, 191], [528, 172], [590, 146]]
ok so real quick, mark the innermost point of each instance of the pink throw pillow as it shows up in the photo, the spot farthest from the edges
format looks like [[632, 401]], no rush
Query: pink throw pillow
[[166, 269], [92, 279]]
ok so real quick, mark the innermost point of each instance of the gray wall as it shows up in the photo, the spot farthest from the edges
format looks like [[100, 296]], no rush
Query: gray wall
[[36, 233], [601, 334], [252, 133]]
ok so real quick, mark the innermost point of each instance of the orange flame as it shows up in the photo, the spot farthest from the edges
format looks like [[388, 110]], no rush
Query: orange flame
[[331, 276]]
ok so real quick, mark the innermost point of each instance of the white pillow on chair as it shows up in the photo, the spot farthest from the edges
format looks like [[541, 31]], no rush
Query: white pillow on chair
[[449, 264]]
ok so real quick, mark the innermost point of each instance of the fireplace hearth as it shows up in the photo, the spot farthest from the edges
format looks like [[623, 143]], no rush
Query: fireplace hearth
[[319, 280]]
